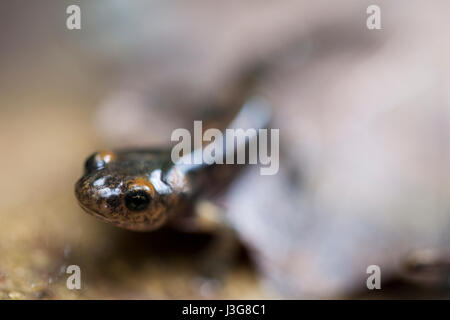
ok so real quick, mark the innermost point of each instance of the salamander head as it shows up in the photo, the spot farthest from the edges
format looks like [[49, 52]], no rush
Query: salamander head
[[129, 190]]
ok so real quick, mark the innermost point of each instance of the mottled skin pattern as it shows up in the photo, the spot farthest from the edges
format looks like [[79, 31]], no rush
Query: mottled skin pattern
[[112, 176]]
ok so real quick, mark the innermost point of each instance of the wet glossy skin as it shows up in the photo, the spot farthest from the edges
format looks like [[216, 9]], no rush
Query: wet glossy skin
[[136, 190]]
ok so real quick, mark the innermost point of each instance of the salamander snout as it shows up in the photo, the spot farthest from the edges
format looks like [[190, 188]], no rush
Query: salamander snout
[[133, 190], [130, 202]]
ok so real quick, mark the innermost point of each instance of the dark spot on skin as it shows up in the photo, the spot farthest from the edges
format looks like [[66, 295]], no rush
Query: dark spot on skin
[[137, 200], [113, 202]]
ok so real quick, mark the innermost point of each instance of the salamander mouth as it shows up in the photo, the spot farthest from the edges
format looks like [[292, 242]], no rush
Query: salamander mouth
[[121, 224], [92, 212]]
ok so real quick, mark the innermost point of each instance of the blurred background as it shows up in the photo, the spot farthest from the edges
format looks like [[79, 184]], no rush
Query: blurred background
[[364, 129]]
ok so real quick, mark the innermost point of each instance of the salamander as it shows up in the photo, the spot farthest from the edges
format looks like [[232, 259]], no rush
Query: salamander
[[142, 190]]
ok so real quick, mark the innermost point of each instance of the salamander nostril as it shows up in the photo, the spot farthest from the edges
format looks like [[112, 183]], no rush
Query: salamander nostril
[[137, 200]]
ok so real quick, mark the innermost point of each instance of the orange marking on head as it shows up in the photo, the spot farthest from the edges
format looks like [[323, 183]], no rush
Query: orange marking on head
[[106, 156], [142, 183]]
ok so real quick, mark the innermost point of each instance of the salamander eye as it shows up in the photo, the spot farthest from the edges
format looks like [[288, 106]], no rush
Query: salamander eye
[[92, 163], [98, 160], [137, 200]]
